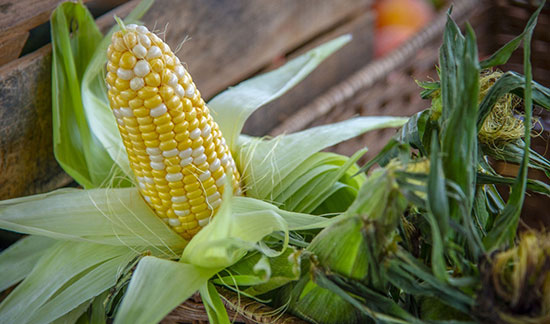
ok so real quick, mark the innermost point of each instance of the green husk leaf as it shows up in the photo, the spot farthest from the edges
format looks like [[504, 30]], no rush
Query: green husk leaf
[[64, 263], [266, 163], [17, 261], [76, 148], [213, 304], [157, 287], [106, 216], [232, 107]]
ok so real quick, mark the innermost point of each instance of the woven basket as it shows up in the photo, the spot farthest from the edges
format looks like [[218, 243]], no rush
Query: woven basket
[[387, 87]]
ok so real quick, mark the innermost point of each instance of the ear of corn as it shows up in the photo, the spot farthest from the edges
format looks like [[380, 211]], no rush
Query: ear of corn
[[175, 148]]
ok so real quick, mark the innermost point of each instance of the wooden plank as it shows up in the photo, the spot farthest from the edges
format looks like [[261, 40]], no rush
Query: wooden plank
[[230, 40], [11, 46], [334, 69]]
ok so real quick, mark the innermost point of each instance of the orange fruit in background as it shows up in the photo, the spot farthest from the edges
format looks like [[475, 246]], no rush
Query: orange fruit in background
[[409, 13], [397, 20]]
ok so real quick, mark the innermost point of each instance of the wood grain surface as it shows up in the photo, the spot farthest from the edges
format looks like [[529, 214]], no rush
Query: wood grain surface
[[228, 41]]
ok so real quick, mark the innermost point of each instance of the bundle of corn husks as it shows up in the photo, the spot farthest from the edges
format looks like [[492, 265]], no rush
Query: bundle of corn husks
[[176, 200]]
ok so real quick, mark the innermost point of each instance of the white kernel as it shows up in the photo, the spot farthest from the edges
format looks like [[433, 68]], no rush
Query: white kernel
[[181, 213], [186, 79], [156, 158], [124, 74], [153, 151], [190, 91], [131, 26], [136, 84], [180, 92], [142, 29], [142, 68], [195, 134], [167, 58], [199, 159], [225, 159], [204, 176], [213, 197], [171, 153], [186, 161], [158, 110], [174, 222], [144, 40], [126, 112], [179, 70], [179, 199], [157, 165], [139, 51], [223, 140], [215, 165], [142, 186], [186, 153], [206, 130], [204, 222], [221, 181], [153, 52], [117, 113], [198, 151], [173, 80], [173, 177], [177, 60], [149, 180], [147, 199], [120, 121], [216, 204]]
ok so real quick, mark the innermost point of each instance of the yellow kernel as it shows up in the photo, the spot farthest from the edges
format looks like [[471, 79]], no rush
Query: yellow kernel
[[118, 44], [111, 78], [154, 143], [165, 128], [177, 192], [135, 103], [192, 187], [193, 124], [181, 206], [132, 130], [164, 195], [190, 178], [127, 94], [173, 169], [197, 201], [149, 136], [197, 143], [166, 137], [152, 79], [181, 137], [141, 112], [134, 137], [187, 105], [191, 116], [158, 175], [122, 84], [173, 102], [130, 40], [181, 127], [184, 144], [115, 56], [190, 225], [127, 61], [147, 92], [178, 116], [161, 120], [194, 194], [156, 201], [199, 208], [163, 188], [157, 65], [166, 92], [218, 173], [211, 190], [176, 185], [145, 120], [209, 183], [152, 102], [168, 145], [173, 160], [121, 102], [111, 67], [147, 128], [203, 214]]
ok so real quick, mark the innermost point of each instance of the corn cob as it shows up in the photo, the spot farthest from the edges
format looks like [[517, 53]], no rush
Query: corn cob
[[175, 148]]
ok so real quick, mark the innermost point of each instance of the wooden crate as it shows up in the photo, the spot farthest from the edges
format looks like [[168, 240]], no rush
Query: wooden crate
[[229, 41]]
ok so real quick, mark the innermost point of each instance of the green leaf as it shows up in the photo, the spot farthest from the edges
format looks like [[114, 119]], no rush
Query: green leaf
[[106, 216], [504, 229], [17, 261], [54, 287], [213, 304], [266, 163], [232, 107], [157, 287], [76, 149]]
